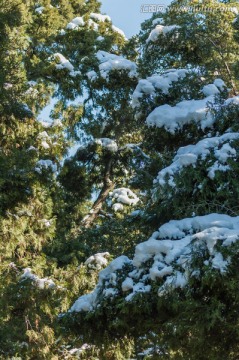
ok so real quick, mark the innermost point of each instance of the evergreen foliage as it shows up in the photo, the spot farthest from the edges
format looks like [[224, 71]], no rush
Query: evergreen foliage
[[141, 131]]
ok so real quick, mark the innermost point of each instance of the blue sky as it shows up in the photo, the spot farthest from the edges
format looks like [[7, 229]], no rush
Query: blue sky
[[126, 14]]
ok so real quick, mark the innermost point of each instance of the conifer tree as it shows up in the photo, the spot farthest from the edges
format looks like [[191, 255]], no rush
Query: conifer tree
[[31, 155], [176, 298], [60, 45], [153, 120]]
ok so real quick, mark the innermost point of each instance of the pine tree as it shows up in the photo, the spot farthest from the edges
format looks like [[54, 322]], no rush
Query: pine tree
[[59, 44], [134, 122], [177, 296], [31, 154]]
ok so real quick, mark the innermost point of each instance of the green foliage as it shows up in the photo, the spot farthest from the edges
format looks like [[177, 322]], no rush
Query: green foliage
[[199, 41], [46, 196]]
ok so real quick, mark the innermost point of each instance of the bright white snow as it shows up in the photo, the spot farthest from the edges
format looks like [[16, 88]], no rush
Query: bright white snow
[[88, 302], [63, 62], [97, 261], [210, 89], [219, 147], [107, 143], [75, 23], [173, 118], [39, 10], [117, 207], [100, 17], [156, 82], [40, 283], [170, 251], [95, 19], [109, 62], [119, 31], [124, 196], [161, 30]]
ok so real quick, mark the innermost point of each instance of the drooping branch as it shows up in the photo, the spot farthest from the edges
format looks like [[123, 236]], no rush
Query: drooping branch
[[226, 66], [225, 63]]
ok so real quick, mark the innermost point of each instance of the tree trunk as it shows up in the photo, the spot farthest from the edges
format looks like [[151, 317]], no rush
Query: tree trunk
[[97, 207]]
